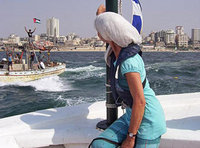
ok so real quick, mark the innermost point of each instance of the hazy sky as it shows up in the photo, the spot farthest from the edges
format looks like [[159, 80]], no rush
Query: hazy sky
[[78, 15]]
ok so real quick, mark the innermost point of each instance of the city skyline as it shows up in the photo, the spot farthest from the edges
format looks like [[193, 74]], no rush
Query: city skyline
[[77, 16]]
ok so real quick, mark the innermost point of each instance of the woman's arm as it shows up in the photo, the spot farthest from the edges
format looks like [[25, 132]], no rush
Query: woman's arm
[[136, 89]]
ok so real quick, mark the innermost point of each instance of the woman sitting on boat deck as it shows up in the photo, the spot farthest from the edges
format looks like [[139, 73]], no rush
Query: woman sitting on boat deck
[[143, 124]]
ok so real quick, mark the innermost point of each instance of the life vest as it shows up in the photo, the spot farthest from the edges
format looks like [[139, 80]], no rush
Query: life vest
[[119, 94]]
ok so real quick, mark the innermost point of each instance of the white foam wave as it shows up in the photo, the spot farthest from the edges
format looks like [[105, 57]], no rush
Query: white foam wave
[[86, 72], [156, 66], [60, 98], [82, 69], [81, 100], [93, 62], [102, 74], [50, 84]]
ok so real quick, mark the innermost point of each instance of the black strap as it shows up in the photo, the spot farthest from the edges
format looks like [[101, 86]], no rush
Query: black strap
[[107, 140], [144, 82]]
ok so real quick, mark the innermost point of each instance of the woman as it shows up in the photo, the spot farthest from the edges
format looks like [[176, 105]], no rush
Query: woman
[[143, 123]]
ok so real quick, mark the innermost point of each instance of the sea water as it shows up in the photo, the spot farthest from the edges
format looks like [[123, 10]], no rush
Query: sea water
[[84, 81]]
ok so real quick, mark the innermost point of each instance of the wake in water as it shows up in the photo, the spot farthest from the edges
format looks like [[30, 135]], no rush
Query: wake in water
[[85, 68], [80, 100], [85, 72], [49, 84]]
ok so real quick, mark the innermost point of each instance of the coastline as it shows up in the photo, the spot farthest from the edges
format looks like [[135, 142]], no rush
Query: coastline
[[103, 49], [100, 49]]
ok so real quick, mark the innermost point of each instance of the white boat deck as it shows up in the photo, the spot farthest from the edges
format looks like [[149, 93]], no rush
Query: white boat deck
[[74, 127]]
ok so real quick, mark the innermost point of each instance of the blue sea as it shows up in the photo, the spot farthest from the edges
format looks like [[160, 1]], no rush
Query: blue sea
[[84, 81]]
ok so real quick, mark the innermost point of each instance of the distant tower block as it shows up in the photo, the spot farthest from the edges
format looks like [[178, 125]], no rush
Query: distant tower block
[[196, 38], [170, 37], [53, 27], [181, 38], [195, 35], [179, 30]]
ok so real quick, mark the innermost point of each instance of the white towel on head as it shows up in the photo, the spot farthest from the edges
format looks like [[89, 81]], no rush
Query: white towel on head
[[113, 27]]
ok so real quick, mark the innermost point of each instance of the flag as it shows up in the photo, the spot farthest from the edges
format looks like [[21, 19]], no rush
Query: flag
[[35, 20], [137, 20]]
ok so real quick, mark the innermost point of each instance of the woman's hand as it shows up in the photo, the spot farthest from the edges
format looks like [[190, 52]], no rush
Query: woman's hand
[[101, 9], [128, 142]]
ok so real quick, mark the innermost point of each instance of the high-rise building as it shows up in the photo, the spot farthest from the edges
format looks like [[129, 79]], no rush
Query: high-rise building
[[159, 36], [195, 35], [170, 37], [53, 27], [152, 36], [181, 38], [179, 30], [196, 38]]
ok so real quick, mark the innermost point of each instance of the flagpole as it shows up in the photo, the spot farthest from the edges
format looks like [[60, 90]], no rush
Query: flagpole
[[112, 112]]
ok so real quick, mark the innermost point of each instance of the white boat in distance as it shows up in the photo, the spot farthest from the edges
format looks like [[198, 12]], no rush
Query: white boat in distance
[[20, 75], [29, 67], [75, 126]]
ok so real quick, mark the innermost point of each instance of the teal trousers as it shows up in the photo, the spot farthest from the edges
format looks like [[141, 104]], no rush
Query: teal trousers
[[118, 131]]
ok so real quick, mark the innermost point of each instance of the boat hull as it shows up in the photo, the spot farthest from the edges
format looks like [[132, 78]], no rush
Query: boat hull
[[31, 75], [75, 126]]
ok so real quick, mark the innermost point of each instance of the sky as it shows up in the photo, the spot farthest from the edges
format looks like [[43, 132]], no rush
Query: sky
[[77, 16]]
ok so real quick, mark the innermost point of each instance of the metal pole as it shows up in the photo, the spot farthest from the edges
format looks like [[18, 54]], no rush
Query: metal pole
[[112, 5], [112, 112]]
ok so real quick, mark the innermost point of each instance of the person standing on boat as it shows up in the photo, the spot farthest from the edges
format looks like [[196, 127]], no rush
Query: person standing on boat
[[41, 56], [144, 123], [10, 61], [30, 34], [16, 59], [32, 59]]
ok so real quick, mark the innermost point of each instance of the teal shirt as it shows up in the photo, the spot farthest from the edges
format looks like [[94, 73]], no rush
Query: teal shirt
[[153, 124]]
